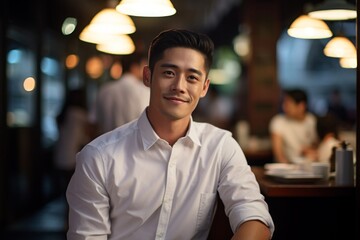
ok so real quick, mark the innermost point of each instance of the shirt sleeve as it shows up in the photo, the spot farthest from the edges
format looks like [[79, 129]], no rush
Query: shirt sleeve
[[239, 189], [87, 198]]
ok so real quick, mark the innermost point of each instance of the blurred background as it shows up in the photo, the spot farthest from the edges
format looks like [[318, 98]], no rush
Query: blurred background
[[43, 58]]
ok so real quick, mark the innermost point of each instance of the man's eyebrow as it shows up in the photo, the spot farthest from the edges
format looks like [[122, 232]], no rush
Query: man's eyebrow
[[169, 65]]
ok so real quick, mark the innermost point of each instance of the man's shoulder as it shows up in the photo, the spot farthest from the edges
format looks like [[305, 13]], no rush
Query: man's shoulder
[[207, 129], [114, 136]]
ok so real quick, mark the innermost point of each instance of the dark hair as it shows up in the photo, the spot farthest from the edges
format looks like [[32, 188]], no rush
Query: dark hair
[[134, 58], [180, 38], [298, 95]]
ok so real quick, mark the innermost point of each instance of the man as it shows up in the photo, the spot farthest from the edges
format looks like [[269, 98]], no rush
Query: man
[[158, 177], [293, 133], [123, 100]]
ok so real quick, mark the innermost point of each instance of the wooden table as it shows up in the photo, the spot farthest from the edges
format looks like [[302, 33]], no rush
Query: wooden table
[[318, 210], [271, 188]]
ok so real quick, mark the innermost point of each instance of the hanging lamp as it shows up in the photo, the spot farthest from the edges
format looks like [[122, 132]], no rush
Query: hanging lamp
[[334, 10], [306, 27], [146, 8], [340, 47], [120, 45]]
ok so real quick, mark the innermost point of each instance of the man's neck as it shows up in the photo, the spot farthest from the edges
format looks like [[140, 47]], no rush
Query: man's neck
[[169, 130]]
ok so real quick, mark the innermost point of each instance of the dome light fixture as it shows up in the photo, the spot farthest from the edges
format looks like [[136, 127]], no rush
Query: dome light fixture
[[334, 10], [306, 27], [146, 8]]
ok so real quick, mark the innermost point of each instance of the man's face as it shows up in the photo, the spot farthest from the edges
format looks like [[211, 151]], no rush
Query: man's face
[[177, 83], [293, 109]]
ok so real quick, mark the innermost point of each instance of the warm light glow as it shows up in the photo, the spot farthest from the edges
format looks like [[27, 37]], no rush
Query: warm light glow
[[116, 70], [146, 8], [29, 84], [71, 61], [94, 67], [309, 28], [340, 47], [348, 62], [334, 10], [110, 21], [117, 47]]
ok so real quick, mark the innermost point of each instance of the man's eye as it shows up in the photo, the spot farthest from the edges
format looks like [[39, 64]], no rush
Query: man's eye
[[168, 73], [193, 78]]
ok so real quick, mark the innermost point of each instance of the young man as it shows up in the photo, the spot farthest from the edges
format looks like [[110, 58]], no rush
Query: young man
[[293, 133], [158, 177]]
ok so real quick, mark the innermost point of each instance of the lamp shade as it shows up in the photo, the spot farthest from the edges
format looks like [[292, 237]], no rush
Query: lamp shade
[[120, 45], [350, 62], [334, 10], [146, 8], [110, 21], [309, 28], [340, 47]]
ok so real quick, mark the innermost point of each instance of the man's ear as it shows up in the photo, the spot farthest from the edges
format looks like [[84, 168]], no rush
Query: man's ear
[[147, 76], [205, 88]]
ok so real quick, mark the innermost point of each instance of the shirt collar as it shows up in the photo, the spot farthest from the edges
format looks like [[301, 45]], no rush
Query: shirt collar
[[149, 136]]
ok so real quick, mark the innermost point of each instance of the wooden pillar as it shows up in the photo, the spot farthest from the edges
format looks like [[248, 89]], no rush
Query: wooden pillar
[[262, 18]]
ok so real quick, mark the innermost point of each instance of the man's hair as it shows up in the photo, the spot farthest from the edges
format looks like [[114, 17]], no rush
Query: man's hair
[[180, 38], [298, 95]]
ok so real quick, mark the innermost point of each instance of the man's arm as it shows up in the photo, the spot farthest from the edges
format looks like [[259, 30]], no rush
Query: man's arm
[[252, 230], [277, 147]]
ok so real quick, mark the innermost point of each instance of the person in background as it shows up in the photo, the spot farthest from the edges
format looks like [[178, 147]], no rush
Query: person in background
[[158, 177], [122, 100], [74, 133], [327, 130], [293, 132]]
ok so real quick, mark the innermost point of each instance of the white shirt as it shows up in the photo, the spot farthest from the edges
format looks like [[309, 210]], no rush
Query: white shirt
[[130, 184], [295, 134], [120, 102]]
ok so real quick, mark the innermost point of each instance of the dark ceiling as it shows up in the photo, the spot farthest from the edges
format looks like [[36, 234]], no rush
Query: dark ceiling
[[218, 18]]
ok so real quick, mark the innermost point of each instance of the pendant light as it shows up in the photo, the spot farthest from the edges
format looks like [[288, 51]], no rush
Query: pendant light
[[306, 27], [334, 10], [110, 21], [146, 8], [340, 47], [119, 45], [350, 62]]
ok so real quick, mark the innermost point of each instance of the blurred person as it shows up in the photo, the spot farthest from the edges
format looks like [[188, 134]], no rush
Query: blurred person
[[122, 100], [293, 132], [74, 133], [327, 130], [338, 109], [158, 177]]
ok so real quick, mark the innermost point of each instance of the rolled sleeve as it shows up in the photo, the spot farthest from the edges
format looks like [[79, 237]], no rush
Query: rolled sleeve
[[239, 189]]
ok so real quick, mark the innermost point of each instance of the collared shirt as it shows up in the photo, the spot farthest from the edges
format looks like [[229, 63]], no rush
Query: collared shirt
[[131, 184]]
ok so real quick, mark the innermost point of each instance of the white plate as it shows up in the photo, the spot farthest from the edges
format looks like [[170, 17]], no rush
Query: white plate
[[294, 177]]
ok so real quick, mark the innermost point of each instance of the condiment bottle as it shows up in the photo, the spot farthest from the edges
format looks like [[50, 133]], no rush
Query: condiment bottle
[[344, 166]]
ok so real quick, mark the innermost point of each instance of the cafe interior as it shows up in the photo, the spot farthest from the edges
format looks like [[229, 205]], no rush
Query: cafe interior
[[48, 48]]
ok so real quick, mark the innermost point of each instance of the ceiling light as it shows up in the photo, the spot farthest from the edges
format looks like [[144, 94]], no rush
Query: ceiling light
[[309, 28], [340, 47], [120, 45], [350, 62], [334, 10], [146, 8], [110, 21], [90, 35]]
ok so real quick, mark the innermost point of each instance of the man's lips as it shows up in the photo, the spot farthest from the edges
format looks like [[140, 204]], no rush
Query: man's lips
[[176, 99]]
